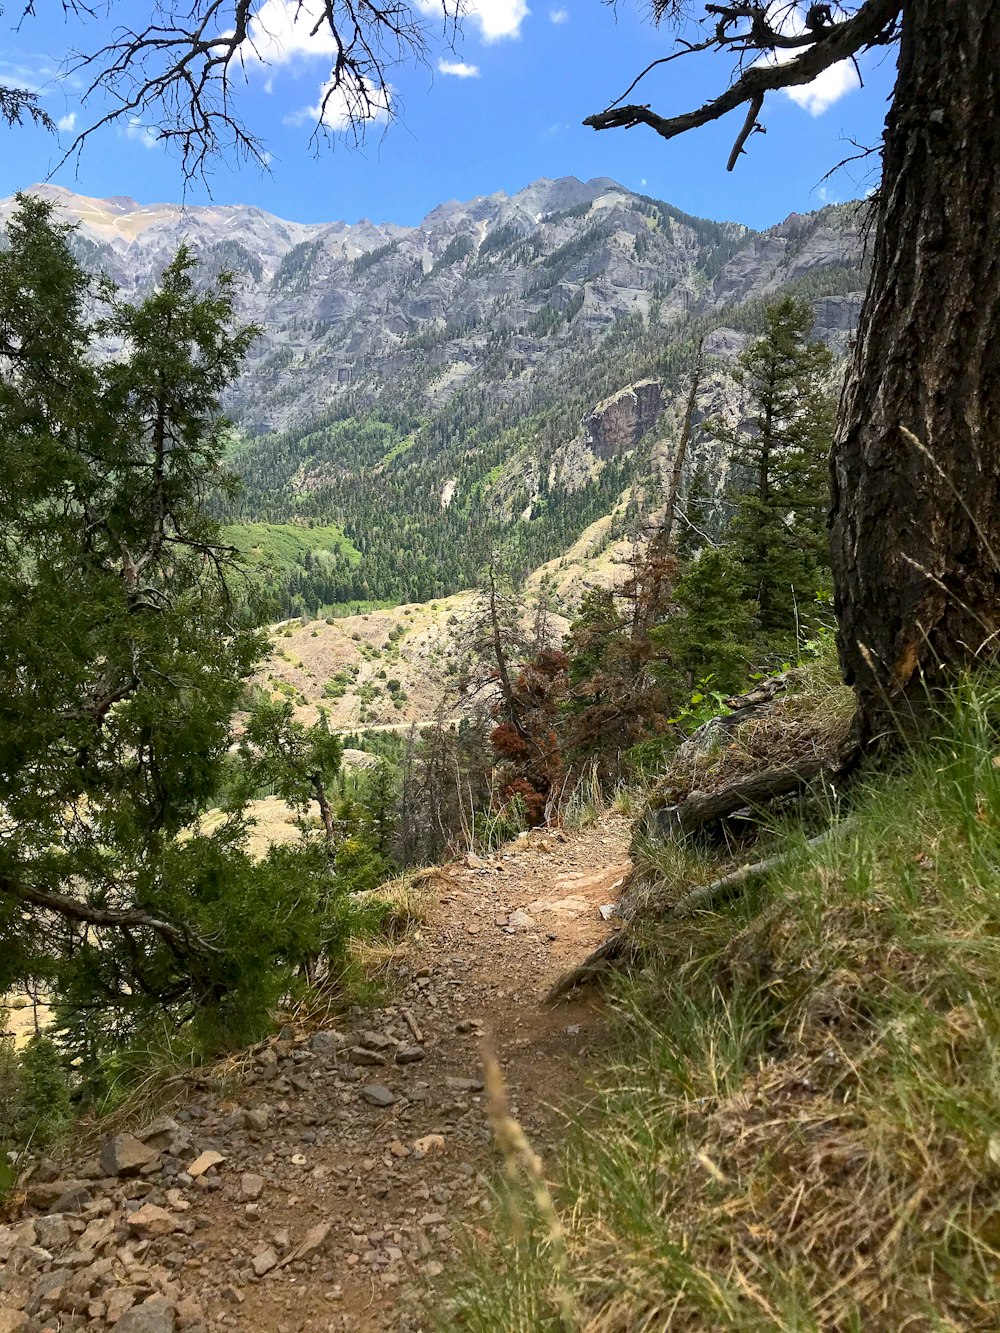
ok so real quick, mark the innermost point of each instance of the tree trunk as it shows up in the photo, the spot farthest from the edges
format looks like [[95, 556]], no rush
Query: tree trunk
[[326, 813], [916, 468], [662, 538]]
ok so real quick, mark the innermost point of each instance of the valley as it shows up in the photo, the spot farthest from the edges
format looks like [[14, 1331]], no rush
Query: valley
[[508, 373]]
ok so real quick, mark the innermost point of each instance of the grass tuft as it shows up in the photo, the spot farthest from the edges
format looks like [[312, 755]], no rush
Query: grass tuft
[[801, 1130]]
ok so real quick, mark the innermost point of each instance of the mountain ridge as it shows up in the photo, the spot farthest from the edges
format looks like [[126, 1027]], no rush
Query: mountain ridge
[[426, 389], [562, 192]]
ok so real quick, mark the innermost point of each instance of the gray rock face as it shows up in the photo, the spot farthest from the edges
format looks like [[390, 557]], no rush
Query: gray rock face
[[619, 423], [361, 308]]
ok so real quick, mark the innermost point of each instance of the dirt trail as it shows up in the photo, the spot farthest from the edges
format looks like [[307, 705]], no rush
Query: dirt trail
[[356, 1162]]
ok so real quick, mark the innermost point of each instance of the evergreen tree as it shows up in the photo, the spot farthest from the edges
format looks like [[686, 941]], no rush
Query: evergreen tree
[[696, 515], [613, 700], [781, 492], [127, 651], [381, 800], [708, 638]]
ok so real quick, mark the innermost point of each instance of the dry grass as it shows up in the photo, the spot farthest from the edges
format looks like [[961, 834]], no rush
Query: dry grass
[[802, 1132], [810, 721]]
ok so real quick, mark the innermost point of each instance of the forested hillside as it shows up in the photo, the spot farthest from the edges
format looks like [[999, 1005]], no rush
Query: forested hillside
[[425, 388]]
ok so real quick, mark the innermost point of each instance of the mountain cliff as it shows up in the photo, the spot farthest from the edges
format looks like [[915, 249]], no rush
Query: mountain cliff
[[509, 369]]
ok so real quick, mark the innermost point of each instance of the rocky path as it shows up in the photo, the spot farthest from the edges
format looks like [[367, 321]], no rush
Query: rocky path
[[334, 1182]]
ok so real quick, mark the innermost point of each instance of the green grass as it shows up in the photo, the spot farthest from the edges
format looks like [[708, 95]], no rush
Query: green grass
[[279, 546], [801, 1131], [397, 450]]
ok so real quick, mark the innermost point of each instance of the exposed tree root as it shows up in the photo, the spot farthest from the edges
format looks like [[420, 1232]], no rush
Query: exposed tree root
[[701, 809], [617, 950]]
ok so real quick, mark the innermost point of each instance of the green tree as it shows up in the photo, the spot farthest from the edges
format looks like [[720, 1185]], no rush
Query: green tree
[[380, 800], [697, 514], [297, 762], [127, 650], [709, 635], [43, 1109], [781, 494], [613, 700]]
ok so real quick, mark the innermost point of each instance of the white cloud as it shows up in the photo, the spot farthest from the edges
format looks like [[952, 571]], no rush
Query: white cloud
[[135, 129], [282, 30], [559, 15], [25, 85], [459, 68], [67, 122], [827, 88], [496, 19], [341, 108]]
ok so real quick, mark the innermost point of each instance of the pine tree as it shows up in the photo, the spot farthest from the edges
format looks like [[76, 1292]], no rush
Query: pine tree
[[613, 701], [708, 637], [780, 463], [696, 514], [127, 651]]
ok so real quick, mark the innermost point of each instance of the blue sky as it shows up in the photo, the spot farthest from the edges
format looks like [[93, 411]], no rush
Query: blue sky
[[499, 110]]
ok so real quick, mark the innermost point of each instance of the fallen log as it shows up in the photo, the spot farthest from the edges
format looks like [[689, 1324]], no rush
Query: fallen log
[[700, 809]]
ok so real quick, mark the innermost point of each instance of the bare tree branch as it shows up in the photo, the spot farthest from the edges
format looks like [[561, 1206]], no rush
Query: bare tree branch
[[77, 909], [750, 125], [747, 29], [176, 77]]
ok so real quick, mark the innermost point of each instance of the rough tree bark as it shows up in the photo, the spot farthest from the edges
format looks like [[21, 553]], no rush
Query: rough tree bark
[[916, 467]]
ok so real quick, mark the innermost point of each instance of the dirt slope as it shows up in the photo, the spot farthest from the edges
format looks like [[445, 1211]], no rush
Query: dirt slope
[[365, 1151]]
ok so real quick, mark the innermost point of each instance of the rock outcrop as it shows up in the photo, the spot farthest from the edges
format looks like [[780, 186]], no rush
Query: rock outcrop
[[619, 423], [368, 308]]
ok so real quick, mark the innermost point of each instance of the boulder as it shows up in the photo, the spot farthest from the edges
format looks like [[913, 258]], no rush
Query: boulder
[[265, 1261], [52, 1196], [125, 1155], [204, 1162], [325, 1043], [52, 1232], [251, 1185], [152, 1221], [375, 1094], [157, 1315]]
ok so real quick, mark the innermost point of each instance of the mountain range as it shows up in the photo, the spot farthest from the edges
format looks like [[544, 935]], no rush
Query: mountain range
[[508, 371]]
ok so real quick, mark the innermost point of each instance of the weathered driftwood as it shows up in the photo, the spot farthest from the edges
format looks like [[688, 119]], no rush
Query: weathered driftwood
[[701, 809]]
